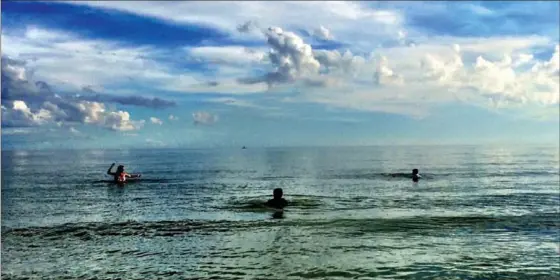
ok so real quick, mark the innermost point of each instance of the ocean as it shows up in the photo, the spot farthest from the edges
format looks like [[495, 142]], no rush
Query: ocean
[[479, 212]]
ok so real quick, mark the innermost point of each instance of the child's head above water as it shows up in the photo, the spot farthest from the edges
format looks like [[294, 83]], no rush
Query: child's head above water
[[278, 193], [415, 171], [120, 169]]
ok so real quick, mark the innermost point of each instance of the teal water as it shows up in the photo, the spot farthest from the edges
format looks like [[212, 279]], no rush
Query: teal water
[[480, 213]]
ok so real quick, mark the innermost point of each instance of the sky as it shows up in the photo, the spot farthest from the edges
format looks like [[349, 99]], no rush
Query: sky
[[128, 74]]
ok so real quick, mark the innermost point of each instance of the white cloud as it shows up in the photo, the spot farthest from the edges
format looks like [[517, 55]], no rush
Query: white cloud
[[57, 52], [498, 44], [226, 55], [384, 74], [19, 114], [523, 59], [290, 56], [399, 79], [155, 120], [502, 80], [206, 118], [407, 80], [343, 17], [120, 121], [424, 75], [442, 69], [70, 62], [341, 64], [32, 103], [322, 33], [79, 112]]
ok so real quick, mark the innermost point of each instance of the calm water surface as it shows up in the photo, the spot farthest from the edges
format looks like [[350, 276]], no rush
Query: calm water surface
[[480, 213]]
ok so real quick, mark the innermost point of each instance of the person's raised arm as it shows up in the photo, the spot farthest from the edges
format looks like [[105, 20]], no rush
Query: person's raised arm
[[109, 171]]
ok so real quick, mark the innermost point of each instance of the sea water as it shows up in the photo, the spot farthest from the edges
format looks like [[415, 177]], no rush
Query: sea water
[[480, 212]]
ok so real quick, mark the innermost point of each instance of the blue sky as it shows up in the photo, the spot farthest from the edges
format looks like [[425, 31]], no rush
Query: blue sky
[[211, 74]]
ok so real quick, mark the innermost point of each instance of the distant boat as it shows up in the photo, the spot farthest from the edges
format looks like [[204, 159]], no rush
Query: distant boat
[[243, 148]]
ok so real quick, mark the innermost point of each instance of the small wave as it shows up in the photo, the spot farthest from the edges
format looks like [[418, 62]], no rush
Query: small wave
[[430, 176], [258, 204], [203, 172], [305, 203], [141, 180], [273, 178], [429, 271], [523, 200], [520, 174], [250, 205], [384, 176], [129, 228], [543, 223]]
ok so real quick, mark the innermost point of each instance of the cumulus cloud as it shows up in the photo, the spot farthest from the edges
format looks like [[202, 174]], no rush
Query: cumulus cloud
[[32, 103], [504, 70], [119, 121], [385, 75], [20, 115], [85, 112], [322, 33], [294, 60], [206, 118], [414, 76], [155, 120], [15, 83], [442, 70], [334, 62], [437, 69], [290, 56], [503, 81]]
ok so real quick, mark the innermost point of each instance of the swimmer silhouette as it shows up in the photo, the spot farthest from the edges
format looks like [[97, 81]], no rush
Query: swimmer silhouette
[[277, 202], [415, 175]]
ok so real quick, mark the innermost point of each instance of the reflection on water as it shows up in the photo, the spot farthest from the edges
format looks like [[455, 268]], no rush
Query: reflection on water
[[478, 213]]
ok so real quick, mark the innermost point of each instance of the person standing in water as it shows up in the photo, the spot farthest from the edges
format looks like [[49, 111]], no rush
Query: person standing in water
[[277, 202], [415, 175], [120, 176]]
